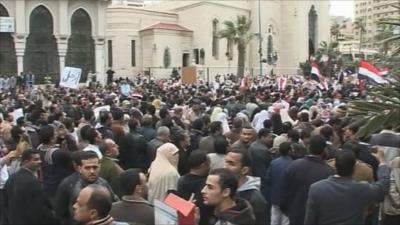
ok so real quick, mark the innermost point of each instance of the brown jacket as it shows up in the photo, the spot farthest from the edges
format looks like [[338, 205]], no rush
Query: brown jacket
[[133, 211], [362, 171]]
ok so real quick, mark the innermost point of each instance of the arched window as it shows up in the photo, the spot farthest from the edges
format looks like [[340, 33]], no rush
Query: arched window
[[80, 51], [202, 56], [215, 39], [41, 54], [8, 58], [312, 30], [270, 48]]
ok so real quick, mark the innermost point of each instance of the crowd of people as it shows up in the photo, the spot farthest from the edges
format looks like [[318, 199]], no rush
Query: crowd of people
[[245, 153]]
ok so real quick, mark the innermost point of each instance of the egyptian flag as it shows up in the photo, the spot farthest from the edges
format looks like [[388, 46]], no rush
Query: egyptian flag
[[370, 73], [282, 81], [316, 75], [384, 71]]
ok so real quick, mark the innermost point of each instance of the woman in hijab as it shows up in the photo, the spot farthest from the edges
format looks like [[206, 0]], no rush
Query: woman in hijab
[[163, 172]]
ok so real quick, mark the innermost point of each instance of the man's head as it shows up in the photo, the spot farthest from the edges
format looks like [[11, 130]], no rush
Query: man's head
[[265, 136], [221, 144], [246, 135], [317, 145], [199, 162], [133, 182], [181, 139], [221, 185], [344, 163], [88, 115], [285, 148], [91, 135], [106, 118], [93, 203], [163, 134], [350, 132], [216, 128], [109, 148], [47, 134], [239, 162], [30, 159], [327, 132], [90, 166]]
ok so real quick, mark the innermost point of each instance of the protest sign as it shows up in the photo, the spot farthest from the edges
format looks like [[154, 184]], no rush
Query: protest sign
[[70, 77], [17, 114]]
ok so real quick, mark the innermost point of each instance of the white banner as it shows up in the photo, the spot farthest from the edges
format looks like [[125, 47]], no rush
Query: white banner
[[7, 25], [70, 77]]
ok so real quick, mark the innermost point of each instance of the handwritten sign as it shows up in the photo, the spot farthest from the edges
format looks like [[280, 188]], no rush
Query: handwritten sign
[[70, 77], [99, 109], [17, 114]]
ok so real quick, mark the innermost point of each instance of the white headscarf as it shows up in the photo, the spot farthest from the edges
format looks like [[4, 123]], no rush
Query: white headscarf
[[215, 112], [223, 118], [259, 118], [163, 172]]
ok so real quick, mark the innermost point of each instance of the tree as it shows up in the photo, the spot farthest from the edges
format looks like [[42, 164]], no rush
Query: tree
[[238, 32], [383, 111], [360, 26], [391, 38], [335, 31], [167, 58], [328, 55]]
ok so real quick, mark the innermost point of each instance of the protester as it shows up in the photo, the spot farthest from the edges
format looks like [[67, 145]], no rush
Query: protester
[[109, 169], [25, 200], [133, 207], [164, 172], [93, 206], [219, 191], [347, 198]]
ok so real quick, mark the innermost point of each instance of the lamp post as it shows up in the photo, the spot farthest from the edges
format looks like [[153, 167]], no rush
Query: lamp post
[[259, 36]]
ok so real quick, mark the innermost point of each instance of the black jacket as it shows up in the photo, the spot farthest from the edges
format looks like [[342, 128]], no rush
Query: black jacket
[[240, 214], [25, 201], [298, 178], [133, 152]]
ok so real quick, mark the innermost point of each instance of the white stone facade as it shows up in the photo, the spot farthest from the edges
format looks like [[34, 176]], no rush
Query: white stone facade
[[285, 21]]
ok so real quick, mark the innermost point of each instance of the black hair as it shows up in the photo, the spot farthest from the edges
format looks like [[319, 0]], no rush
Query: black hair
[[163, 112], [46, 133], [89, 134], [226, 180], [276, 121], [128, 180], [267, 123], [284, 148], [286, 127], [27, 154], [215, 126], [304, 117], [197, 158], [100, 200], [85, 155], [15, 132], [198, 124], [317, 145], [245, 158], [294, 135], [68, 123], [263, 132], [76, 157], [237, 123], [104, 116], [353, 146], [326, 132], [88, 114], [221, 144], [151, 109], [133, 124], [345, 162], [117, 114]]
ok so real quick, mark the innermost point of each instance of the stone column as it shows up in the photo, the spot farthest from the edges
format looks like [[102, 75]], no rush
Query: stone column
[[100, 59], [20, 43], [62, 44]]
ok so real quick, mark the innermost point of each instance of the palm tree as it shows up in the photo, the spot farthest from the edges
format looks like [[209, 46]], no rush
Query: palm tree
[[360, 25], [335, 31], [394, 38], [238, 32], [328, 53], [375, 115]]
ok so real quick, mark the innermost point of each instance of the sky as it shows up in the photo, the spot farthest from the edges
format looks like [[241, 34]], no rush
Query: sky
[[342, 8]]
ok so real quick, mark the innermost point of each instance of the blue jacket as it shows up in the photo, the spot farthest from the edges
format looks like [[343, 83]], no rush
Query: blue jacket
[[274, 179]]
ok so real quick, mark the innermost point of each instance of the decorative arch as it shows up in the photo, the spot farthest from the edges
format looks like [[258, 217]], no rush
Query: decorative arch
[[80, 52], [71, 14], [8, 58], [215, 39], [41, 54], [312, 31]]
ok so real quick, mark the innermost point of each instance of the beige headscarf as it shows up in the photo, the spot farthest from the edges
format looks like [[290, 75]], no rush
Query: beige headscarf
[[163, 172]]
